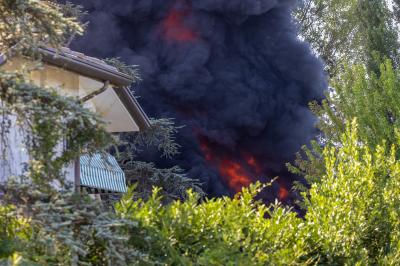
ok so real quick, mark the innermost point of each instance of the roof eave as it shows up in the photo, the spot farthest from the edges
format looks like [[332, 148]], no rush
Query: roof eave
[[85, 67], [89, 69], [135, 109], [95, 71]]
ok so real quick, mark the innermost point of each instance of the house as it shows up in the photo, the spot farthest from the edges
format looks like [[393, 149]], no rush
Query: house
[[75, 74]]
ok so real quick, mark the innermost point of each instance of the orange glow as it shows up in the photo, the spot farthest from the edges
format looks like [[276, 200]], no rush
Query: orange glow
[[235, 175], [283, 193], [237, 171], [253, 164], [206, 150], [251, 161], [174, 27]]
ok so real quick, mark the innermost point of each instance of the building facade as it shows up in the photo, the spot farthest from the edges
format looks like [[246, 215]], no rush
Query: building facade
[[74, 74]]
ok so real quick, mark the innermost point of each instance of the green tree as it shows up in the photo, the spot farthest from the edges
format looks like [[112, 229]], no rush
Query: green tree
[[329, 27], [44, 118], [371, 98], [377, 33], [348, 32], [351, 211], [365, 82], [352, 218]]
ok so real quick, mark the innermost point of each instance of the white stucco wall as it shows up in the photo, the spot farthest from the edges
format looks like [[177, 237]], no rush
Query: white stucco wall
[[15, 157], [107, 105], [13, 154]]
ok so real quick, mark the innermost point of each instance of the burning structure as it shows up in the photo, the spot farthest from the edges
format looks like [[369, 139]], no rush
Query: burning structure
[[233, 71]]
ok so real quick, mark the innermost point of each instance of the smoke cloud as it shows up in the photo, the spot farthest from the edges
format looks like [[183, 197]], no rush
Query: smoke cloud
[[232, 71]]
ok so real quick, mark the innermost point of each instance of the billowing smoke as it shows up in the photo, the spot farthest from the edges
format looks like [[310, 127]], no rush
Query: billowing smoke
[[232, 71]]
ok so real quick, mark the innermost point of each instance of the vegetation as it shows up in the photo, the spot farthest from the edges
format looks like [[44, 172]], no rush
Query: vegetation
[[349, 31], [45, 118], [352, 218], [351, 201]]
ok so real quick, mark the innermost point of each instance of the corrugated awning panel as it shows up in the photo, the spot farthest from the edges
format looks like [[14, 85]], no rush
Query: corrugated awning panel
[[102, 172]]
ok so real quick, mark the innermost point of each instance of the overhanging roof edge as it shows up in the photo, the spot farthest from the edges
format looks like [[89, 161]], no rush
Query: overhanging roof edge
[[85, 67], [96, 71]]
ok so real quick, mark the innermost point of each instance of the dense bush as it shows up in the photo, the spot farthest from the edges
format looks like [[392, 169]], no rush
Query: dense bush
[[352, 218], [220, 231]]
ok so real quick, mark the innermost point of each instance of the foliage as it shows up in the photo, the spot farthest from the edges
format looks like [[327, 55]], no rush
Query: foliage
[[396, 10], [364, 75], [45, 118], [348, 31], [130, 70], [309, 163], [352, 206], [352, 218], [329, 26], [378, 34], [70, 229], [160, 134], [353, 213], [221, 231], [39, 226], [11, 230], [26, 25], [173, 182], [373, 99]]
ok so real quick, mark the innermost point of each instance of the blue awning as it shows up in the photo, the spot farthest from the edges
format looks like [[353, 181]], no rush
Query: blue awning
[[102, 172]]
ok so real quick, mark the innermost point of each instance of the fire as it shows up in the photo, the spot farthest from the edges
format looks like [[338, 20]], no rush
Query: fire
[[174, 27], [238, 171], [206, 150], [235, 175], [283, 193], [252, 162]]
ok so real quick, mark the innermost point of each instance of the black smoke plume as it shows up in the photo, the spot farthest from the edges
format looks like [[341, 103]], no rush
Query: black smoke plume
[[233, 71]]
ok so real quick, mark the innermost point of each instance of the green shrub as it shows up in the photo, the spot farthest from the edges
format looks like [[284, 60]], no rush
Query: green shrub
[[221, 231]]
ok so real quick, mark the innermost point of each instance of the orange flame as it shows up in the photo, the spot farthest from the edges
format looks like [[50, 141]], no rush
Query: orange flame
[[235, 175], [252, 162], [239, 172], [174, 27], [283, 193]]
